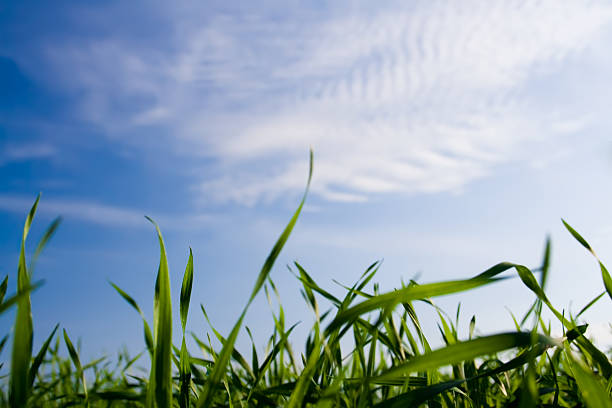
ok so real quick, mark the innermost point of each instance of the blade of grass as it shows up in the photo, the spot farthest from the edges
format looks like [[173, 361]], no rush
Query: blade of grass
[[184, 375], [280, 243], [51, 229], [148, 337], [186, 290], [19, 389], [239, 358], [74, 356], [605, 275], [40, 356], [184, 366], [3, 342], [577, 236], [162, 354], [3, 287], [597, 355], [416, 397], [8, 303], [223, 358], [545, 264], [301, 386], [466, 350], [591, 303], [391, 299], [592, 391]]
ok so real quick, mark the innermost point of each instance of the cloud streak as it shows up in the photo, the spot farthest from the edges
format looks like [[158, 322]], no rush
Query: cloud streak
[[101, 214], [396, 100], [26, 151]]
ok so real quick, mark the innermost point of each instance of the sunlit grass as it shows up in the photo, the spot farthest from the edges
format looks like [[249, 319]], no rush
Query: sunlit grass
[[389, 362]]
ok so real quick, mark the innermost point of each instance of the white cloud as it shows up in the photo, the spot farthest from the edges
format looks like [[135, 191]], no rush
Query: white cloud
[[98, 213], [415, 99], [26, 151]]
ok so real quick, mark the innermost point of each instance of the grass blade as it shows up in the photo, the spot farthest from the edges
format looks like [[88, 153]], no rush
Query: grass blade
[[577, 236], [592, 391], [545, 264], [184, 367], [607, 280], [40, 356], [591, 303], [186, 290], [147, 330], [74, 356], [223, 358], [19, 389], [6, 305], [280, 243], [458, 352], [416, 397], [390, 299], [161, 369], [605, 275], [3, 287], [51, 229], [184, 375]]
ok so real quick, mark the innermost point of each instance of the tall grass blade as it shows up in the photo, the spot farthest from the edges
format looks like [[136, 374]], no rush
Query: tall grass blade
[[19, 389], [223, 358], [162, 354], [280, 243]]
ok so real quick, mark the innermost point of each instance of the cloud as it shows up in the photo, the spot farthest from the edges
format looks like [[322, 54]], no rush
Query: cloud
[[101, 214], [403, 99], [26, 151]]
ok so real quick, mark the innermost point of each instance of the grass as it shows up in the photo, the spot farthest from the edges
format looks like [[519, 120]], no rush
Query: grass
[[389, 362]]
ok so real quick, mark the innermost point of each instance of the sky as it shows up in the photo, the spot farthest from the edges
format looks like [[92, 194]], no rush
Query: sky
[[447, 137]]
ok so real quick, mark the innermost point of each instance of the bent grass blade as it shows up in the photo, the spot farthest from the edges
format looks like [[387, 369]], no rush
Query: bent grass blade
[[605, 275]]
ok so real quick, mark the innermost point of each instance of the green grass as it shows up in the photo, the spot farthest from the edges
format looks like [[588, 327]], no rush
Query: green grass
[[389, 361]]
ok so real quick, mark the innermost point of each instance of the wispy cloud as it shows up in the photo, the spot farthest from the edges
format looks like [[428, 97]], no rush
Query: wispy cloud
[[100, 214], [26, 151], [424, 98]]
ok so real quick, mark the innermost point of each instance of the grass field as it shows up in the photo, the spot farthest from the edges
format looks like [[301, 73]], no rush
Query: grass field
[[390, 362]]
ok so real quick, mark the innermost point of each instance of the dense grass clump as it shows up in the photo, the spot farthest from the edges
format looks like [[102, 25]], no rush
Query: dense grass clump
[[389, 362]]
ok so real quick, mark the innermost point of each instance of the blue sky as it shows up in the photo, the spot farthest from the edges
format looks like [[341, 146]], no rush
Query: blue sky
[[447, 137]]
